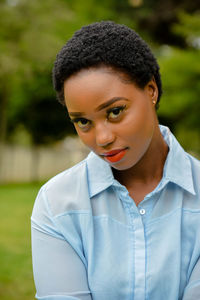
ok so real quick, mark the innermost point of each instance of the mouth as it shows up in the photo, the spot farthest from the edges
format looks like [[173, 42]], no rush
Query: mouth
[[114, 155]]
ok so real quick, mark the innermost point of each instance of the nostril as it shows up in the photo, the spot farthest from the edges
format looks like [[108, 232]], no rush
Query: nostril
[[102, 143]]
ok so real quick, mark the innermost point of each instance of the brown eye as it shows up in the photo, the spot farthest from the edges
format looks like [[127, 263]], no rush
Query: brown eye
[[83, 123], [115, 112]]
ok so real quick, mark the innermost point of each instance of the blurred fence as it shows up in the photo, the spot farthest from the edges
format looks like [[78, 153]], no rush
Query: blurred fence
[[24, 164]]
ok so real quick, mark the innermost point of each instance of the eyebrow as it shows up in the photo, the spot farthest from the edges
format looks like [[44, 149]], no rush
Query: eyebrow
[[100, 107]]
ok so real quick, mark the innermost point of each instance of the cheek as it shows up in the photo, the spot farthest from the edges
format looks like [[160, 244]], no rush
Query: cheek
[[86, 138], [138, 126]]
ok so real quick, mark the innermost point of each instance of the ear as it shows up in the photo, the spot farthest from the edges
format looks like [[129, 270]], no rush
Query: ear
[[152, 90]]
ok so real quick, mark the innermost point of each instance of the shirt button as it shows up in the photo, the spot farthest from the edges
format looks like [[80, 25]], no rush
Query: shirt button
[[142, 211]]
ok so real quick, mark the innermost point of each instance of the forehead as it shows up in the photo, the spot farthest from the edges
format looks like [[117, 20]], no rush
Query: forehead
[[93, 85], [100, 70]]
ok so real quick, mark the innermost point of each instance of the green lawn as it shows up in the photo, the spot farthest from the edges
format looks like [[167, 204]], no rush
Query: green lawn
[[16, 279]]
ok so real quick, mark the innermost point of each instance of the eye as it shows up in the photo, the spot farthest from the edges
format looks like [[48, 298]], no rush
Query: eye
[[115, 112], [82, 123]]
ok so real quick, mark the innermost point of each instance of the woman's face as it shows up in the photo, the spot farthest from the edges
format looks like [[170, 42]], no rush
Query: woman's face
[[113, 117]]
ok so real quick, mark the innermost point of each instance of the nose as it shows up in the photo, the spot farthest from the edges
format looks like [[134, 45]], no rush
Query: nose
[[104, 135]]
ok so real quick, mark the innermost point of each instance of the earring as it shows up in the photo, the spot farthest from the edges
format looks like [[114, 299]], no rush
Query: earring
[[154, 101]]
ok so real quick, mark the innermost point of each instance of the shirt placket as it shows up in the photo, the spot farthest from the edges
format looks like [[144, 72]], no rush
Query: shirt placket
[[138, 245], [139, 255]]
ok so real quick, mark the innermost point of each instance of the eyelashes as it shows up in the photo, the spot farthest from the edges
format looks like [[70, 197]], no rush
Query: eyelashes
[[112, 114], [81, 122]]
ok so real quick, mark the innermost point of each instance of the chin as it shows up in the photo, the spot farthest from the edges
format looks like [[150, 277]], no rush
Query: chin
[[120, 166]]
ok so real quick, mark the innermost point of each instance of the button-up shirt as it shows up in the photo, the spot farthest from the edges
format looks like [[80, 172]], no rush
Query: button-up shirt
[[90, 240]]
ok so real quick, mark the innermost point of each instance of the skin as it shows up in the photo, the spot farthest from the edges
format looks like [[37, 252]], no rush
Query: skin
[[110, 112]]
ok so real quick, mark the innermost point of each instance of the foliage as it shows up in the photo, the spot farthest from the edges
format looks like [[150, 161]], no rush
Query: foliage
[[189, 28], [41, 115], [32, 32], [29, 40], [156, 19], [180, 70], [181, 84]]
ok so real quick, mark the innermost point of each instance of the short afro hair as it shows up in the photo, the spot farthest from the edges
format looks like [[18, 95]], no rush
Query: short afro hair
[[110, 44]]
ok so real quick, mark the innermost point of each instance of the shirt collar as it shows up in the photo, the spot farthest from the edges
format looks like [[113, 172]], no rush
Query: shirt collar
[[177, 168], [100, 175]]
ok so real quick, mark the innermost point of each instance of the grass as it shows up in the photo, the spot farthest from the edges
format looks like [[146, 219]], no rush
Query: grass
[[16, 279]]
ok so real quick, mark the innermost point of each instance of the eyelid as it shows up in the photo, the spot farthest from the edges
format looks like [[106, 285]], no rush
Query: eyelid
[[76, 120], [121, 108], [116, 107], [83, 127], [108, 111]]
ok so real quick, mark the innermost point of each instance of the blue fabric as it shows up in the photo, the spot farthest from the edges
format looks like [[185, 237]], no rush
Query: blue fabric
[[90, 240]]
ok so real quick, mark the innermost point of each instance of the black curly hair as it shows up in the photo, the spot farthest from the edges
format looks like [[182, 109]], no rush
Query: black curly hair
[[110, 44]]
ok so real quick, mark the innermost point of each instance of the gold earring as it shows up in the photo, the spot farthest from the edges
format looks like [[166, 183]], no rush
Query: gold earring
[[154, 101]]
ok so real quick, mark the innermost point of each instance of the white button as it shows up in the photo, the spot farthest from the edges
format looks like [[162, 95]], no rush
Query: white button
[[142, 211]]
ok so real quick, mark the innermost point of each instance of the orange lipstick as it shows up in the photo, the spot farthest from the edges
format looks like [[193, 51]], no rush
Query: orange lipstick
[[115, 155]]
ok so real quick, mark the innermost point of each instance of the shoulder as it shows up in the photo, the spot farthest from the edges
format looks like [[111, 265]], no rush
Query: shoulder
[[67, 191], [66, 178]]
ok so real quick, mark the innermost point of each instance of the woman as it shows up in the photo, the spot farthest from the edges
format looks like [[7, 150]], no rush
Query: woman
[[125, 222]]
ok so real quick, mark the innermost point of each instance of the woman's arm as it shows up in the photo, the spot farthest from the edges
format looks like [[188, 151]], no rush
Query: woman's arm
[[59, 273], [192, 290]]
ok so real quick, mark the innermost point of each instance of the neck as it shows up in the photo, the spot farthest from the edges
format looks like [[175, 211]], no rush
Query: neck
[[150, 168]]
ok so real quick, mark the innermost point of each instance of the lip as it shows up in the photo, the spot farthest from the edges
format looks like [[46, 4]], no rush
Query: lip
[[114, 155]]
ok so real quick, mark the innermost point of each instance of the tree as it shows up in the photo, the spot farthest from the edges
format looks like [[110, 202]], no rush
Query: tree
[[32, 32], [29, 40], [181, 77]]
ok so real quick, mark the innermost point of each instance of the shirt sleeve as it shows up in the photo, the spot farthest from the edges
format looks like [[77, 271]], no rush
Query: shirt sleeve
[[59, 273], [192, 290]]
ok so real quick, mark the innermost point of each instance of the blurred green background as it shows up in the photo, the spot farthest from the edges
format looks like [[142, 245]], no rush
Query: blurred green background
[[31, 34], [16, 280]]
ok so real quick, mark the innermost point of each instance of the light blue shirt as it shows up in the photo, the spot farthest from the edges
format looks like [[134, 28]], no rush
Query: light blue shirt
[[90, 240]]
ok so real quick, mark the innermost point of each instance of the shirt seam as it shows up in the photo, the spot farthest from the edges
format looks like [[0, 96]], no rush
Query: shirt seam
[[193, 211], [34, 224], [56, 224], [171, 213], [163, 217], [71, 212], [114, 220]]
